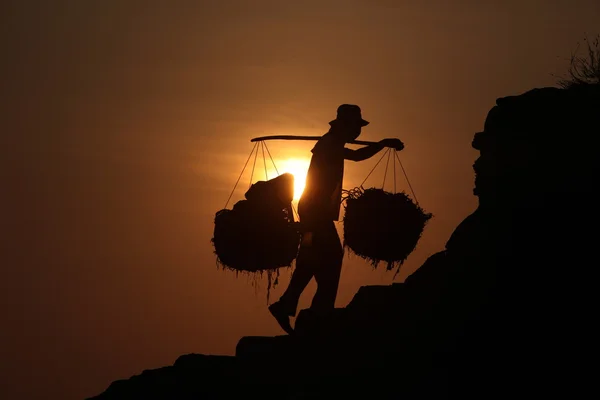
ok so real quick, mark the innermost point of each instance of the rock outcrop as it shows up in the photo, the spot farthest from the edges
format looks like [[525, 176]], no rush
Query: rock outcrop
[[506, 308]]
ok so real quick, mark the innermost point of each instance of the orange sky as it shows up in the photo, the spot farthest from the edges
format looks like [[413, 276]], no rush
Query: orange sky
[[127, 123]]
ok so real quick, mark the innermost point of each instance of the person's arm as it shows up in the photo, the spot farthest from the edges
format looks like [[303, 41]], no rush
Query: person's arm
[[372, 149]]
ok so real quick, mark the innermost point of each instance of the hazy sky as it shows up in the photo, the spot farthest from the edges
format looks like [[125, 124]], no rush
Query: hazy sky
[[126, 124]]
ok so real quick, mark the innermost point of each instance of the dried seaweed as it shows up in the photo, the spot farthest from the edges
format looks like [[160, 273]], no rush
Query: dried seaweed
[[382, 226], [259, 233]]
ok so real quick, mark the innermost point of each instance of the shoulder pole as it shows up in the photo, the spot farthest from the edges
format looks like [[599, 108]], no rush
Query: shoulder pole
[[292, 137]]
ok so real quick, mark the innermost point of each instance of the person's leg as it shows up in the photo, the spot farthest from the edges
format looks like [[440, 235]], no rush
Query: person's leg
[[328, 269], [287, 304], [301, 277]]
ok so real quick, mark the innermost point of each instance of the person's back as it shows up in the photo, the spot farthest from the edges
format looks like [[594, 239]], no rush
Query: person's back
[[320, 200]]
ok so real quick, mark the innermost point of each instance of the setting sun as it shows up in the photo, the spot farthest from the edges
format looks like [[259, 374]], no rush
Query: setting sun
[[297, 167]]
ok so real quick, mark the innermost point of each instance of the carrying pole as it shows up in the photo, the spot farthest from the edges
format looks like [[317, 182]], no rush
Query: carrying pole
[[292, 137]]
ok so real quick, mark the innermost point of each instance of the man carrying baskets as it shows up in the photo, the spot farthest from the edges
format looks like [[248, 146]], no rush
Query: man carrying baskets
[[321, 252]]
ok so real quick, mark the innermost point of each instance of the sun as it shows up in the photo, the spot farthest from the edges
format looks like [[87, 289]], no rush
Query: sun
[[297, 167]]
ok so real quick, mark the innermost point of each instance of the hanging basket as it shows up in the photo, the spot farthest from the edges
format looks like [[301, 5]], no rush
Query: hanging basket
[[382, 226], [258, 233]]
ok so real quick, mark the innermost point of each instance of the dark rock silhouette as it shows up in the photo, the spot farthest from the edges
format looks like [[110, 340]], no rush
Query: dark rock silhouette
[[506, 309]]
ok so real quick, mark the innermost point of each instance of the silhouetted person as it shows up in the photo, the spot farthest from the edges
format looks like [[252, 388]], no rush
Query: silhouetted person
[[321, 251]]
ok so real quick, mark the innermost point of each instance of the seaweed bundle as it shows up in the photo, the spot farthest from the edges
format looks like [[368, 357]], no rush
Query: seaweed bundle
[[382, 226], [259, 233]]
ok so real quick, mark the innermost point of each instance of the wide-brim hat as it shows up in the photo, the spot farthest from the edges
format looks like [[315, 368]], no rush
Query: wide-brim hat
[[349, 114]]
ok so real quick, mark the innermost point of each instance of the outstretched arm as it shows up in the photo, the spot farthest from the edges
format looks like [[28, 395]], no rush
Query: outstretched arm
[[372, 149]]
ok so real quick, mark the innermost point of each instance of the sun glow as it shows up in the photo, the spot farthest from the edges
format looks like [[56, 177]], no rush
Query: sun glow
[[297, 167]]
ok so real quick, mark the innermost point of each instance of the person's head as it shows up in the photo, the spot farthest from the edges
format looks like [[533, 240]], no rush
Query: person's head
[[348, 122]]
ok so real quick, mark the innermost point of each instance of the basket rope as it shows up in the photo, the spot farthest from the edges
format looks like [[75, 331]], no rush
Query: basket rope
[[395, 158], [254, 151]]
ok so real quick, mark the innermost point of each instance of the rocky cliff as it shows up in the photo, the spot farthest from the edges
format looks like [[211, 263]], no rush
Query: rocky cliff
[[506, 308]]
